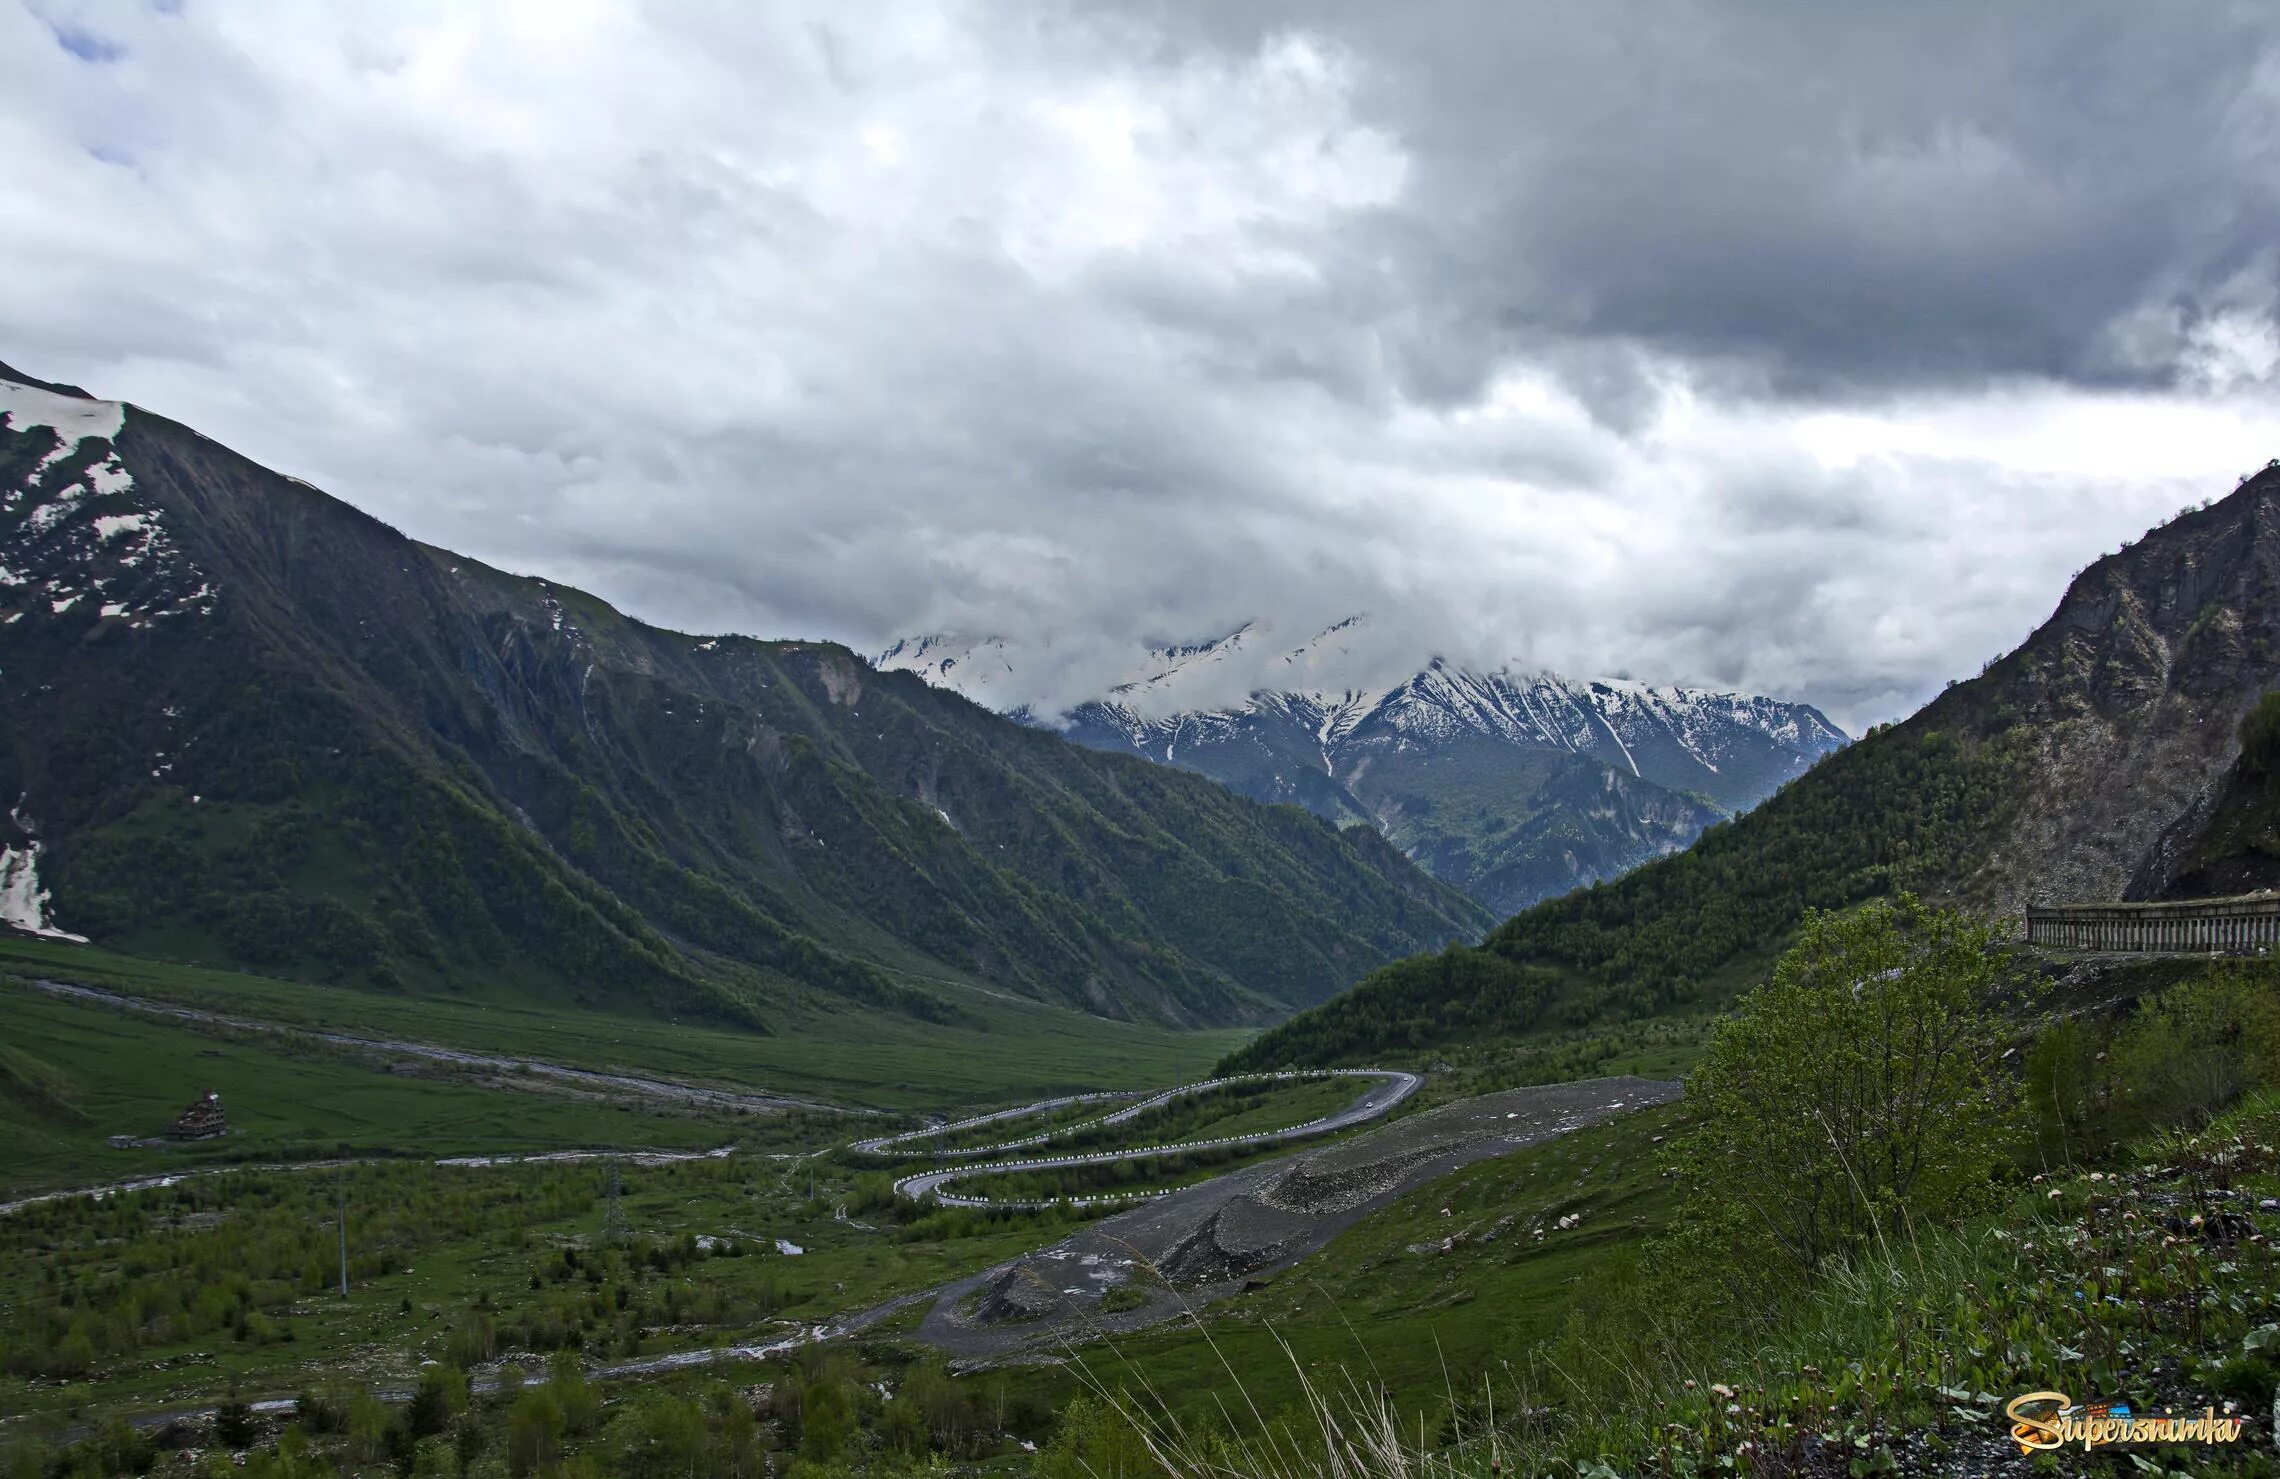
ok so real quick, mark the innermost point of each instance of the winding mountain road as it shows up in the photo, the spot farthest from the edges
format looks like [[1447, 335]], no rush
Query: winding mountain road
[[1194, 1244], [1207, 1241], [892, 1144], [1390, 1088]]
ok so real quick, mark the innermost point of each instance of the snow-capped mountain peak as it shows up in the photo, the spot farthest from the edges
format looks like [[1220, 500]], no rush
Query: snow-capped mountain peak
[[1733, 747], [1172, 666], [969, 665], [1511, 783]]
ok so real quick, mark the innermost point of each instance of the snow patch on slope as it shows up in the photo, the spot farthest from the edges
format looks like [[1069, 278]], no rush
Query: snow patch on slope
[[83, 537], [71, 418], [1180, 665]]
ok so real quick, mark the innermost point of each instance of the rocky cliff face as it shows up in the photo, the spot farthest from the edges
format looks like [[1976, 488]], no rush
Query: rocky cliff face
[[2132, 694]]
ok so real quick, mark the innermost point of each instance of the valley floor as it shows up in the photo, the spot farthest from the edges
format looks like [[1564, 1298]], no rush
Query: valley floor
[[1475, 1274], [500, 1215]]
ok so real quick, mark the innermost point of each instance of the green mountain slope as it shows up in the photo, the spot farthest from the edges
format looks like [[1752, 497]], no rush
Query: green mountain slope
[[1510, 826], [246, 724], [2060, 774]]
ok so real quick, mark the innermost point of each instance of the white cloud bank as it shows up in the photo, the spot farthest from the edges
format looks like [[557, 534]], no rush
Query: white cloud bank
[[1701, 347]]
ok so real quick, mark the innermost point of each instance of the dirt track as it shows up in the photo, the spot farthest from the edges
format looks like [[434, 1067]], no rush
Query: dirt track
[[595, 1080], [1205, 1241]]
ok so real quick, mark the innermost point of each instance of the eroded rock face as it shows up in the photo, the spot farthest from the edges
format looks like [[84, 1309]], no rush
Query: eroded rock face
[[1203, 1257], [2132, 695], [1318, 1187]]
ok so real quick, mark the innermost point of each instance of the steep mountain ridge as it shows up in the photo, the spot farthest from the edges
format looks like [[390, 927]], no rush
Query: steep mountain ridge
[[1455, 766], [248, 724], [2096, 761], [2137, 685]]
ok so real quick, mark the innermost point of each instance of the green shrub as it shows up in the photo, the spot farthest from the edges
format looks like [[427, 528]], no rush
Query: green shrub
[[440, 1397], [2076, 1099], [1121, 1298], [1095, 1438], [2179, 1059], [1857, 1091], [2260, 736], [2194, 1050], [235, 1426]]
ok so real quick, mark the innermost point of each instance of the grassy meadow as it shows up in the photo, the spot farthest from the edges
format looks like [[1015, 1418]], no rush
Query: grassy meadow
[[181, 1296], [1021, 1051], [75, 1074]]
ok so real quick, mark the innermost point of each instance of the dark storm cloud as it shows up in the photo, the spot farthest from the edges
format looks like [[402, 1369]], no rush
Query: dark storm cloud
[[1838, 197], [1802, 348]]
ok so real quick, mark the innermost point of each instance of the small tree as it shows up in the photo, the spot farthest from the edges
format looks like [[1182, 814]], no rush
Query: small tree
[[2260, 736], [574, 1396], [235, 1426], [534, 1432], [440, 1396], [1098, 1440], [1855, 1089], [368, 1428]]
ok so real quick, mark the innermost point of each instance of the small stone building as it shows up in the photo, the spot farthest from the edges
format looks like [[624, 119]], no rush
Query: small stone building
[[203, 1120]]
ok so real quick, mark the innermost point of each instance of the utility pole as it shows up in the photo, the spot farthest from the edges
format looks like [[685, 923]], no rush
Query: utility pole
[[613, 1215], [344, 1237]]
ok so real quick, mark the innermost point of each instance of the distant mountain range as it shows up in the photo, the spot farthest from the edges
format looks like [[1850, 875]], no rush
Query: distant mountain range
[[2101, 760], [243, 724], [1513, 787]]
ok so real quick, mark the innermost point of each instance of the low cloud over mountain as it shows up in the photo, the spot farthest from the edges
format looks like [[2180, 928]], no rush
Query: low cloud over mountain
[[1759, 348]]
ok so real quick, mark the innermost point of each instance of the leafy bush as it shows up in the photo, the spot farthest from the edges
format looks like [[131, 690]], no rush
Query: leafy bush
[[2194, 1050], [2181, 1058], [1856, 1092]]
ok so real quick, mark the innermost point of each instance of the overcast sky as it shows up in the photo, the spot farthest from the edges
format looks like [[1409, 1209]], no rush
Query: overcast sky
[[1804, 349]]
